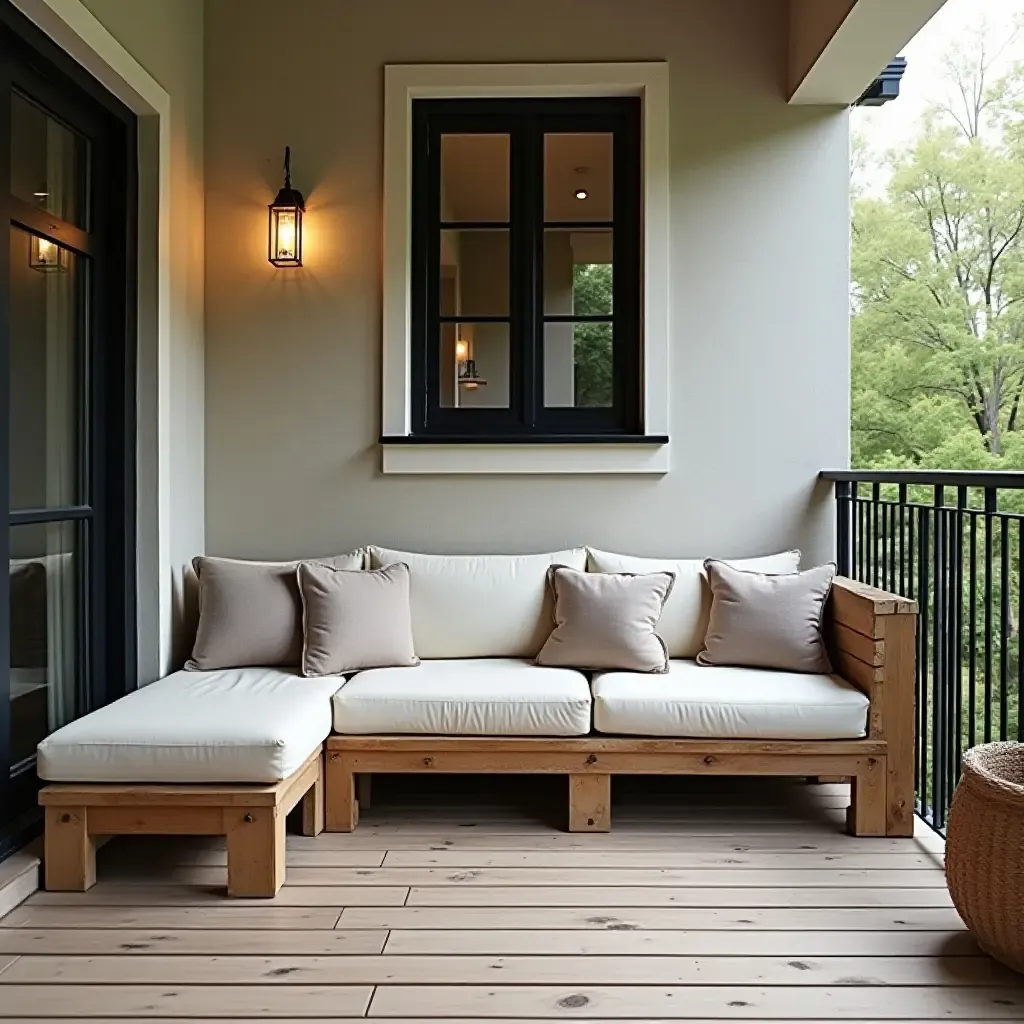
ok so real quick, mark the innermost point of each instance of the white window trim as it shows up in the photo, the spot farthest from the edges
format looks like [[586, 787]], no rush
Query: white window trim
[[405, 82]]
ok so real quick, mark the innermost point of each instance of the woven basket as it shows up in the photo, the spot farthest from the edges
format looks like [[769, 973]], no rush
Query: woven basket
[[985, 849]]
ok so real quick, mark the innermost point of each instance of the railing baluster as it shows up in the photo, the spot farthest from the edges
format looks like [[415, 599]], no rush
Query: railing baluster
[[972, 635], [938, 662], [990, 509], [1020, 631], [922, 659], [957, 632], [1004, 626], [876, 495]]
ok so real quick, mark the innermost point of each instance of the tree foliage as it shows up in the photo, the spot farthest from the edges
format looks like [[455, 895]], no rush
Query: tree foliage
[[938, 284], [592, 343]]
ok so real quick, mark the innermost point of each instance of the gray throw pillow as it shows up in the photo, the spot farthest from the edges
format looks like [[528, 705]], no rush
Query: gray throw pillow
[[607, 621], [250, 612], [765, 621], [355, 620]]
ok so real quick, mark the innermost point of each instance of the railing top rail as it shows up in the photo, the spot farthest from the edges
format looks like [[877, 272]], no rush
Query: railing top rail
[[1002, 479]]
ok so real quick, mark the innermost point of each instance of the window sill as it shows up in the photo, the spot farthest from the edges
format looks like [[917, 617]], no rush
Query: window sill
[[591, 454]]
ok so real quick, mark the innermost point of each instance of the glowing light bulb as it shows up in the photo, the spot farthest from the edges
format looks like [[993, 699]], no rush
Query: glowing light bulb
[[461, 351], [286, 234], [582, 193]]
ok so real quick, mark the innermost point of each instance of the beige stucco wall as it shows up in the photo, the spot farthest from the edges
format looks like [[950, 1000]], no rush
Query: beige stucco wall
[[760, 349], [166, 38]]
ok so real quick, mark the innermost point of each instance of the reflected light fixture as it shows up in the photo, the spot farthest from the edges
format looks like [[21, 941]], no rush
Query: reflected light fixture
[[285, 244], [468, 375], [582, 193], [46, 256]]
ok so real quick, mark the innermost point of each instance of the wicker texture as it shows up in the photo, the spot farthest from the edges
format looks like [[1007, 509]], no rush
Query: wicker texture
[[985, 849]]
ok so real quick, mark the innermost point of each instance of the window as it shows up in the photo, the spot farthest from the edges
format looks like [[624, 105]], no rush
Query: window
[[559, 422], [526, 268]]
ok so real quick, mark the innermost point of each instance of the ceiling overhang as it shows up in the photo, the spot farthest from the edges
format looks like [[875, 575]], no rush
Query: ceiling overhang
[[839, 48]]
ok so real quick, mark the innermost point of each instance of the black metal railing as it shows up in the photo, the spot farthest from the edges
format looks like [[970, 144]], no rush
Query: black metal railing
[[952, 541]]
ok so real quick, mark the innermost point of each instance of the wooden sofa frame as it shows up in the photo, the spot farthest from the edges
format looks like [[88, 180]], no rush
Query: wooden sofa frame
[[872, 635], [252, 818]]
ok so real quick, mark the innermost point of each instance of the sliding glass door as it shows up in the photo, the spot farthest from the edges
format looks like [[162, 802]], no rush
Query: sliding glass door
[[67, 640]]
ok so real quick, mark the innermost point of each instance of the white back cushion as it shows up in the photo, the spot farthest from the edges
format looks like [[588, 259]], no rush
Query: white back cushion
[[684, 621], [480, 606]]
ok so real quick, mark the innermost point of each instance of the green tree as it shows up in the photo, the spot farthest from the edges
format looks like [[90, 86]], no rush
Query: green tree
[[938, 279], [592, 343]]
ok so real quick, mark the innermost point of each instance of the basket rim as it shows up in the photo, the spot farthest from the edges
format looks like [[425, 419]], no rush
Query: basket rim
[[976, 769]]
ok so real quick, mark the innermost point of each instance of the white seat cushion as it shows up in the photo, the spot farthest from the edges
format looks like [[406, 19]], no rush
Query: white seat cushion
[[684, 619], [729, 703], [232, 725], [472, 697], [480, 606]]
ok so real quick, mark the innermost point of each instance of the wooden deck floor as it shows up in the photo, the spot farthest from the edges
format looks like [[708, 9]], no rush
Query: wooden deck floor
[[711, 900]]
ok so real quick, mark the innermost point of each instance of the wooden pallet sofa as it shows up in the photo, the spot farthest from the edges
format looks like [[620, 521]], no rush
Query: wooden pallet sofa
[[232, 750], [477, 704]]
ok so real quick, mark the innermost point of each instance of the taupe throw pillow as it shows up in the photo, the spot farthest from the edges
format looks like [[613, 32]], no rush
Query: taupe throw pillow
[[250, 612], [607, 621], [355, 620], [766, 621]]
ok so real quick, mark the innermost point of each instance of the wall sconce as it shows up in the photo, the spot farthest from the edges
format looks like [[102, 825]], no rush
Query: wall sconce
[[285, 246], [45, 256], [468, 376]]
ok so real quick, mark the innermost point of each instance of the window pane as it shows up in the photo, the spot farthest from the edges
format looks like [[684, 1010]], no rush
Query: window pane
[[577, 272], [45, 604], [474, 273], [475, 178], [48, 162], [578, 177], [578, 366], [474, 366], [46, 352]]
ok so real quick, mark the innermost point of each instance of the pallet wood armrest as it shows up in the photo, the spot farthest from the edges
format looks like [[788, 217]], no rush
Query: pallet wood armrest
[[873, 639]]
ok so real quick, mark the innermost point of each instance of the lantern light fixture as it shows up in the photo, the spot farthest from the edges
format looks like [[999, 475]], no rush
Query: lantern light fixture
[[47, 257], [285, 243]]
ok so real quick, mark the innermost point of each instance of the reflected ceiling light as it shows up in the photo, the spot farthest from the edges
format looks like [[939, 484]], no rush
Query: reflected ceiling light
[[285, 244], [582, 193]]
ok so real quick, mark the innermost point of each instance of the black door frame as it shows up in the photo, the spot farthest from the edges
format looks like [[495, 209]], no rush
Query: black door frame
[[33, 64]]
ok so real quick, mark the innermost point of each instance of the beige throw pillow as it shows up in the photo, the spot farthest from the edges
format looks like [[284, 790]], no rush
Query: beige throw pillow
[[250, 612], [765, 621], [355, 620], [606, 621]]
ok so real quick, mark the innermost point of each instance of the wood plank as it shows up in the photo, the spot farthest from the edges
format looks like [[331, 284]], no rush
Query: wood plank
[[678, 1002], [928, 919], [131, 863], [247, 1002], [223, 942], [113, 895], [737, 877], [857, 644], [592, 744], [668, 943], [579, 860], [69, 860], [652, 896], [5, 962], [590, 803], [215, 915], [792, 840], [977, 971], [898, 691]]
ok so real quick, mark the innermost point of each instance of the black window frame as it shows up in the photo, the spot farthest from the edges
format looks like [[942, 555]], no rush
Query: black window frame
[[105, 514], [526, 122]]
